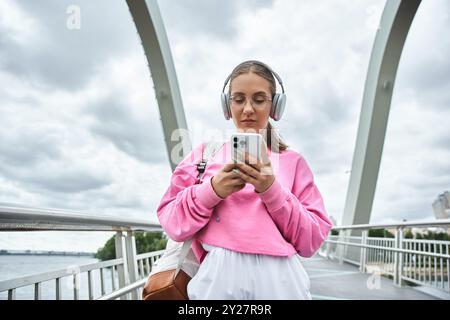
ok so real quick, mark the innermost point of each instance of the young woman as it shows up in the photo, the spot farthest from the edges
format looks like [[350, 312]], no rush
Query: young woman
[[249, 226]]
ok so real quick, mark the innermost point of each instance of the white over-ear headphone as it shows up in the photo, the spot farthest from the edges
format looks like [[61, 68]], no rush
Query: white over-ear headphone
[[278, 101]]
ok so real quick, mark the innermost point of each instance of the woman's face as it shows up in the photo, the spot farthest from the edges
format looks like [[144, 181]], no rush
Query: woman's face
[[253, 88]]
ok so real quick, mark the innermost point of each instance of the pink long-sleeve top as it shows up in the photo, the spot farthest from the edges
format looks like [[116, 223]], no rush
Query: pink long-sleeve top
[[288, 218]]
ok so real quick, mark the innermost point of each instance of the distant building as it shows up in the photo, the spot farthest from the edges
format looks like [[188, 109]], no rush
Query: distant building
[[441, 206]]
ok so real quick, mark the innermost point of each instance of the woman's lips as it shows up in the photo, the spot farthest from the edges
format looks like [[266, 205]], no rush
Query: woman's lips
[[248, 121]]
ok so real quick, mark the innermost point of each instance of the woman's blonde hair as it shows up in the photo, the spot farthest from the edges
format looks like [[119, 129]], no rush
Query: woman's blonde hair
[[262, 71]]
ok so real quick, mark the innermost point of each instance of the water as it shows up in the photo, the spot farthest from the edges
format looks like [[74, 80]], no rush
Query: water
[[16, 266]]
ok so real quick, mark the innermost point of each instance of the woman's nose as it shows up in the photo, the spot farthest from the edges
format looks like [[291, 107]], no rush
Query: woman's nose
[[248, 108]]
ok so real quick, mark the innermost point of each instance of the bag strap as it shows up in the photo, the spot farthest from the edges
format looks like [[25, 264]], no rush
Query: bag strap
[[211, 147]]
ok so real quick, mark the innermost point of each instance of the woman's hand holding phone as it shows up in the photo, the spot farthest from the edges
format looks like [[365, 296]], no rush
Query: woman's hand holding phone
[[256, 170], [253, 171], [226, 181]]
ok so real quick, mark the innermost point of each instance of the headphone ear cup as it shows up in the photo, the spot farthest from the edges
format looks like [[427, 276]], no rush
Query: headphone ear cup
[[278, 104], [274, 105], [225, 101]]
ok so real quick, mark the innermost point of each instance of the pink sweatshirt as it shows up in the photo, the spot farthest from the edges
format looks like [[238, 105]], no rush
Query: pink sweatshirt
[[288, 218]]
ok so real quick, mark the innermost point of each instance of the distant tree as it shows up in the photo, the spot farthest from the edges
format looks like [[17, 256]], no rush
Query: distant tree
[[380, 233], [388, 234], [145, 242], [150, 241], [108, 251], [408, 235], [431, 235], [442, 236]]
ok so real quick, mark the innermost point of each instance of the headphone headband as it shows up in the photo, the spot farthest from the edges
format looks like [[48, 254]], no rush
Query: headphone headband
[[261, 64]]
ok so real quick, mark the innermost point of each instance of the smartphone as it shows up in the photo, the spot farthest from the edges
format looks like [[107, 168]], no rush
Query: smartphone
[[253, 143]]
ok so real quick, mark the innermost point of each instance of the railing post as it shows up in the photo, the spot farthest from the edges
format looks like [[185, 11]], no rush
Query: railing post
[[342, 247], [328, 248], [132, 262], [362, 262], [398, 257], [122, 269]]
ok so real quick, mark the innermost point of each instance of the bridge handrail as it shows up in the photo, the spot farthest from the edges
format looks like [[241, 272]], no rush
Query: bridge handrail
[[129, 265], [17, 218], [404, 224], [422, 262]]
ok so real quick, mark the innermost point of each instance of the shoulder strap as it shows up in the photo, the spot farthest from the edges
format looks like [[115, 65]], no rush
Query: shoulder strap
[[210, 149]]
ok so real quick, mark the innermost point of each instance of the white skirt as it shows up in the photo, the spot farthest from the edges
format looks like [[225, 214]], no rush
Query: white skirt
[[229, 275]]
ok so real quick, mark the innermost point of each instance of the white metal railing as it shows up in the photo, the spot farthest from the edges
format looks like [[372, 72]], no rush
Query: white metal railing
[[126, 273], [415, 261], [407, 261], [145, 262]]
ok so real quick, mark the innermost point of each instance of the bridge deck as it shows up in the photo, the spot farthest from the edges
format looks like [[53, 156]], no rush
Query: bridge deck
[[331, 281]]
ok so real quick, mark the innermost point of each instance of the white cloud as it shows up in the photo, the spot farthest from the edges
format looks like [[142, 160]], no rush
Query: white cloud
[[107, 126], [18, 25]]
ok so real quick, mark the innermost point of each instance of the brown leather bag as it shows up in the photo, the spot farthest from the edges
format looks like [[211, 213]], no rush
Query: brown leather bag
[[166, 286]]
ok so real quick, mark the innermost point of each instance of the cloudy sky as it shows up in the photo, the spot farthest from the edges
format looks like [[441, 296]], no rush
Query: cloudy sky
[[80, 129]]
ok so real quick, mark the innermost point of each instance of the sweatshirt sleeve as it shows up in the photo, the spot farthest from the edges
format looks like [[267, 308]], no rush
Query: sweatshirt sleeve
[[299, 214], [186, 207]]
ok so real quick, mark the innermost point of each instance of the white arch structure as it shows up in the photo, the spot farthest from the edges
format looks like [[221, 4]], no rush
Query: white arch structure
[[394, 26], [150, 26], [395, 23]]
